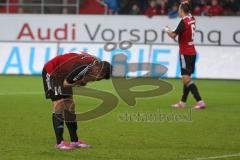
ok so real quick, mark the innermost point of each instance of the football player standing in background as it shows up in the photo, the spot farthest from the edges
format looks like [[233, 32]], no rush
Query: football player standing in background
[[185, 32]]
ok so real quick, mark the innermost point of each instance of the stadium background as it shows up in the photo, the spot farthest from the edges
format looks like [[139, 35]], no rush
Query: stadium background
[[25, 46], [33, 39]]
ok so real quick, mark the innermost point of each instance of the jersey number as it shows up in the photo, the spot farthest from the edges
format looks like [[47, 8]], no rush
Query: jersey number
[[193, 27], [58, 90]]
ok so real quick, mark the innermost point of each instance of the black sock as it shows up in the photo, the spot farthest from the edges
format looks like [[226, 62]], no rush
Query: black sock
[[70, 120], [72, 128], [186, 91], [194, 91], [58, 126]]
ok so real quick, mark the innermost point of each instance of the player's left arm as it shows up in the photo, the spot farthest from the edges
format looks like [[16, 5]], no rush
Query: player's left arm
[[75, 77], [78, 83]]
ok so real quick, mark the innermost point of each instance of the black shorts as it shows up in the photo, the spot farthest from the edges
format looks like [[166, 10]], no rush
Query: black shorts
[[54, 88], [187, 64]]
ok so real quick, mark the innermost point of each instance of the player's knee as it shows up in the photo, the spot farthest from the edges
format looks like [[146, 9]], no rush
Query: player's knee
[[69, 111], [58, 106], [63, 104], [69, 105], [186, 79]]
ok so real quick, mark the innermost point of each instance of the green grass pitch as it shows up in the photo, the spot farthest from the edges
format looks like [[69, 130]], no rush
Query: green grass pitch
[[26, 129]]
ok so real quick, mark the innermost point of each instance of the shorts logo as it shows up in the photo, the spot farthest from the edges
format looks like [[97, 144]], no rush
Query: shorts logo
[[183, 62], [48, 81]]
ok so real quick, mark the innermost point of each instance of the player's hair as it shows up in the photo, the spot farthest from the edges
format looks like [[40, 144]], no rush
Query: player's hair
[[185, 7], [106, 70]]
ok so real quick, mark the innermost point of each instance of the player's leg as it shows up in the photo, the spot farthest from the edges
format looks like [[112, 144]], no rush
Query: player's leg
[[188, 83], [69, 113], [57, 115], [185, 79], [71, 123], [187, 68], [57, 119], [182, 103], [193, 87], [70, 119], [58, 124]]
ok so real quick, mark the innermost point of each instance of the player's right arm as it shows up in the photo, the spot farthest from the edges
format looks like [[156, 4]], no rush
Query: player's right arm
[[171, 34], [179, 30]]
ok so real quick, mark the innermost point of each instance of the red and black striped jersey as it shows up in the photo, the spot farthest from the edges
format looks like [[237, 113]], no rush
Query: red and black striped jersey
[[185, 32], [66, 63]]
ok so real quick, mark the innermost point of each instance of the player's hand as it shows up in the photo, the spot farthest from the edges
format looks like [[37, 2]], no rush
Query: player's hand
[[81, 85], [66, 84], [167, 29]]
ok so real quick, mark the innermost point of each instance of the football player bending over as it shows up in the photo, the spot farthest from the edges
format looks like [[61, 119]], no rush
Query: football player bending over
[[59, 75]]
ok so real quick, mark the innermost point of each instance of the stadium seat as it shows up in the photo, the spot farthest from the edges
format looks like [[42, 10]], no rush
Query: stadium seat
[[12, 9], [92, 7]]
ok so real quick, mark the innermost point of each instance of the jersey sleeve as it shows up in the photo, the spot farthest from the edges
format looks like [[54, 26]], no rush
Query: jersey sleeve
[[77, 74], [180, 28]]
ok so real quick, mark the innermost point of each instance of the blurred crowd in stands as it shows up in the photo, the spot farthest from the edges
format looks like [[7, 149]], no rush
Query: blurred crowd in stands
[[170, 7], [123, 7]]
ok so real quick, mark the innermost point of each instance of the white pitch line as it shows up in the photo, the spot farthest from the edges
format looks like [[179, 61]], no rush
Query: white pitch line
[[20, 93], [218, 157]]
